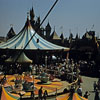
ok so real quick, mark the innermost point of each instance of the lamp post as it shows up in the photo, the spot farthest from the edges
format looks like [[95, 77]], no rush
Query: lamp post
[[32, 91], [46, 61], [72, 69]]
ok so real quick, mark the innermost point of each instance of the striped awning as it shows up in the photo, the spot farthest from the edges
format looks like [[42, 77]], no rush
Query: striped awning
[[70, 96], [22, 38], [8, 96]]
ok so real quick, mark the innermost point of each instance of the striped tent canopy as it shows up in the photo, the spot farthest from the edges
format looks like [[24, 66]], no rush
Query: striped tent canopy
[[70, 96], [20, 59], [22, 38], [8, 96]]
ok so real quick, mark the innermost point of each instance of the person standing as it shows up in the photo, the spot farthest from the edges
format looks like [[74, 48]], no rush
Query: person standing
[[86, 94], [80, 80], [40, 93], [45, 94], [79, 90], [0, 90], [98, 84], [96, 95], [32, 93], [95, 85]]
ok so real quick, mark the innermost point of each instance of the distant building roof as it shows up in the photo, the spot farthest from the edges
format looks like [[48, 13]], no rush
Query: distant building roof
[[89, 35], [62, 36], [54, 36], [11, 33], [48, 26]]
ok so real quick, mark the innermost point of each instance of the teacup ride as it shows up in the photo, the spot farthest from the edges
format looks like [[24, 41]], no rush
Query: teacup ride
[[44, 77]]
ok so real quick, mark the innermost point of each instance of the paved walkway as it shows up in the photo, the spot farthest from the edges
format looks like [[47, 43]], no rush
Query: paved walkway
[[87, 85]]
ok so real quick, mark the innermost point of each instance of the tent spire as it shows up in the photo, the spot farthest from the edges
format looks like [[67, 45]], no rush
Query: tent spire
[[27, 24], [27, 15]]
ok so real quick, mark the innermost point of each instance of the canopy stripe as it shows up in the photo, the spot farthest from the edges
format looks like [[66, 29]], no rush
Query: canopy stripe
[[8, 96], [70, 96], [21, 39]]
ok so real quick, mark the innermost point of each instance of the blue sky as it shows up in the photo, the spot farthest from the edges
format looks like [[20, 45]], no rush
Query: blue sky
[[74, 15]]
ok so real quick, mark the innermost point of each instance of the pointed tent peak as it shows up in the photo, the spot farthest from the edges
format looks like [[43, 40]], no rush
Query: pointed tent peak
[[32, 10], [54, 35], [21, 59], [11, 33], [28, 24], [48, 25], [62, 36], [38, 20], [11, 29], [32, 15]]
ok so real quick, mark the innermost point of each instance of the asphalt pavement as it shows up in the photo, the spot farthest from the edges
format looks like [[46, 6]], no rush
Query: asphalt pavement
[[87, 85]]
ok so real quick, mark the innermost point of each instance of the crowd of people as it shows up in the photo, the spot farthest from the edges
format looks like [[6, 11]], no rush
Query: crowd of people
[[67, 71]]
